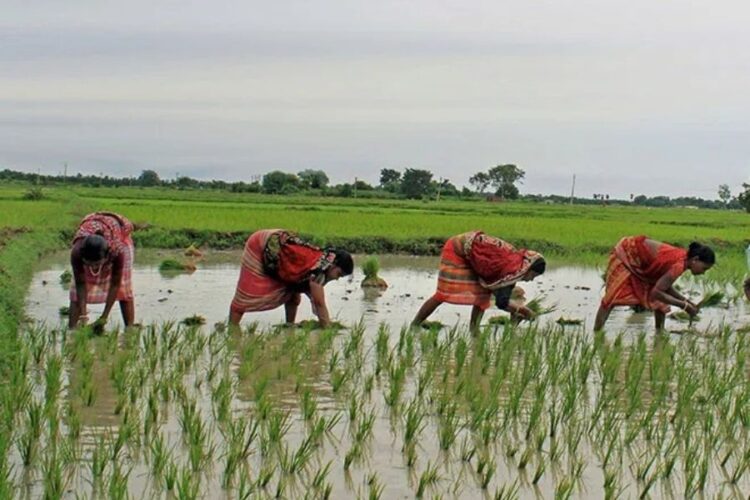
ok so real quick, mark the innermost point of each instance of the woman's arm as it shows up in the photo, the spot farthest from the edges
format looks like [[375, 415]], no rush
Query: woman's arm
[[663, 291], [318, 299], [502, 301], [114, 286]]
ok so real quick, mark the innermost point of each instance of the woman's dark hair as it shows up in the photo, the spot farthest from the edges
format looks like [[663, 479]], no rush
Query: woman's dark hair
[[94, 248], [343, 260], [539, 266], [703, 252]]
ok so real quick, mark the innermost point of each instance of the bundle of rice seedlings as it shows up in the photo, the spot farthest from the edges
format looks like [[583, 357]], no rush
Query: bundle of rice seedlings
[[172, 265], [712, 300], [499, 320], [563, 321], [538, 308], [194, 320]]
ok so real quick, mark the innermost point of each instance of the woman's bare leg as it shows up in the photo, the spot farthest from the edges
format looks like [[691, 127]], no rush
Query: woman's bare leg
[[476, 318], [291, 307], [659, 317], [74, 315], [601, 317], [234, 318], [127, 308], [424, 312]]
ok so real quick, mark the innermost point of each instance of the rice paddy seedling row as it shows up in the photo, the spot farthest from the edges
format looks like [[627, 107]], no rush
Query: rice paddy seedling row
[[293, 411]]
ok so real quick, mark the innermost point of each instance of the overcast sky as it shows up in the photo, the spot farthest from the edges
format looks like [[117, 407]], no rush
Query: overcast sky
[[639, 96]]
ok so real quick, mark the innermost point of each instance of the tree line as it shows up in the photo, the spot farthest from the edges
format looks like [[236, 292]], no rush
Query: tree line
[[496, 183]]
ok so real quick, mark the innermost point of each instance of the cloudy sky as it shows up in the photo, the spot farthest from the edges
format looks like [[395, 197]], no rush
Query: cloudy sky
[[638, 96]]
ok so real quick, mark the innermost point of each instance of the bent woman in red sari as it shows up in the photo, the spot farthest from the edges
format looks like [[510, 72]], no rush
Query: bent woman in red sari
[[642, 272], [102, 261], [473, 267], [277, 267]]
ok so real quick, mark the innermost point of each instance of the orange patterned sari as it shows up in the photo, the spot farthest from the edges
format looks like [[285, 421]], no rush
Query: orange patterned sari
[[473, 265], [633, 271]]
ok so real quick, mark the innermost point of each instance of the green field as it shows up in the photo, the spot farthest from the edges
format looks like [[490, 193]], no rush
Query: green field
[[185, 412], [565, 229]]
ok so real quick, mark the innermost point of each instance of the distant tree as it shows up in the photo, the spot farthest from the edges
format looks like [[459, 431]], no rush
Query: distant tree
[[389, 175], [641, 199], [725, 194], [186, 182], [360, 185], [480, 181], [416, 183], [313, 179], [444, 188], [274, 182], [503, 178], [744, 197], [390, 179], [149, 178]]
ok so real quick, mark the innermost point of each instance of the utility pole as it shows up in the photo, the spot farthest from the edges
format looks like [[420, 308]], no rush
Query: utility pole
[[573, 189], [355, 187], [440, 185]]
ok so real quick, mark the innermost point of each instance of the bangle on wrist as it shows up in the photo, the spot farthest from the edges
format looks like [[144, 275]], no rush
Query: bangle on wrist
[[684, 305]]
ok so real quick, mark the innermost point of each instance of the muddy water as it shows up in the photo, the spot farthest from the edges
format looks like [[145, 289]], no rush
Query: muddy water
[[575, 291]]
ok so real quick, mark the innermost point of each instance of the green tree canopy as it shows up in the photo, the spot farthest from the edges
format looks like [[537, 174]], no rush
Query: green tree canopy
[[416, 183], [275, 182]]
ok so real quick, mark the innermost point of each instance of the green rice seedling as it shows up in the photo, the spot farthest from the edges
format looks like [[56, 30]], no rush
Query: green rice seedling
[[487, 472], [612, 489], [540, 468], [118, 483], [170, 476], [564, 489], [319, 479], [538, 308], [265, 475], [26, 444], [308, 405], [222, 398], [299, 459], [99, 458], [194, 320], [240, 436], [375, 487], [188, 484], [448, 427], [245, 488], [364, 428], [461, 351], [35, 418], [280, 488], [338, 378], [160, 455], [53, 477], [414, 422], [428, 478], [277, 426], [713, 299], [66, 277], [525, 458], [354, 453], [507, 491], [411, 455], [468, 450], [173, 265], [397, 377], [64, 311]]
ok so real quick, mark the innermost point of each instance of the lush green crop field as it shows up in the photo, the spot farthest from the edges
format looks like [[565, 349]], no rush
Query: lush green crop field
[[578, 232]]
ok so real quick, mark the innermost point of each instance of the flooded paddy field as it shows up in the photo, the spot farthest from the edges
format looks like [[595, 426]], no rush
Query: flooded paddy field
[[376, 410]]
